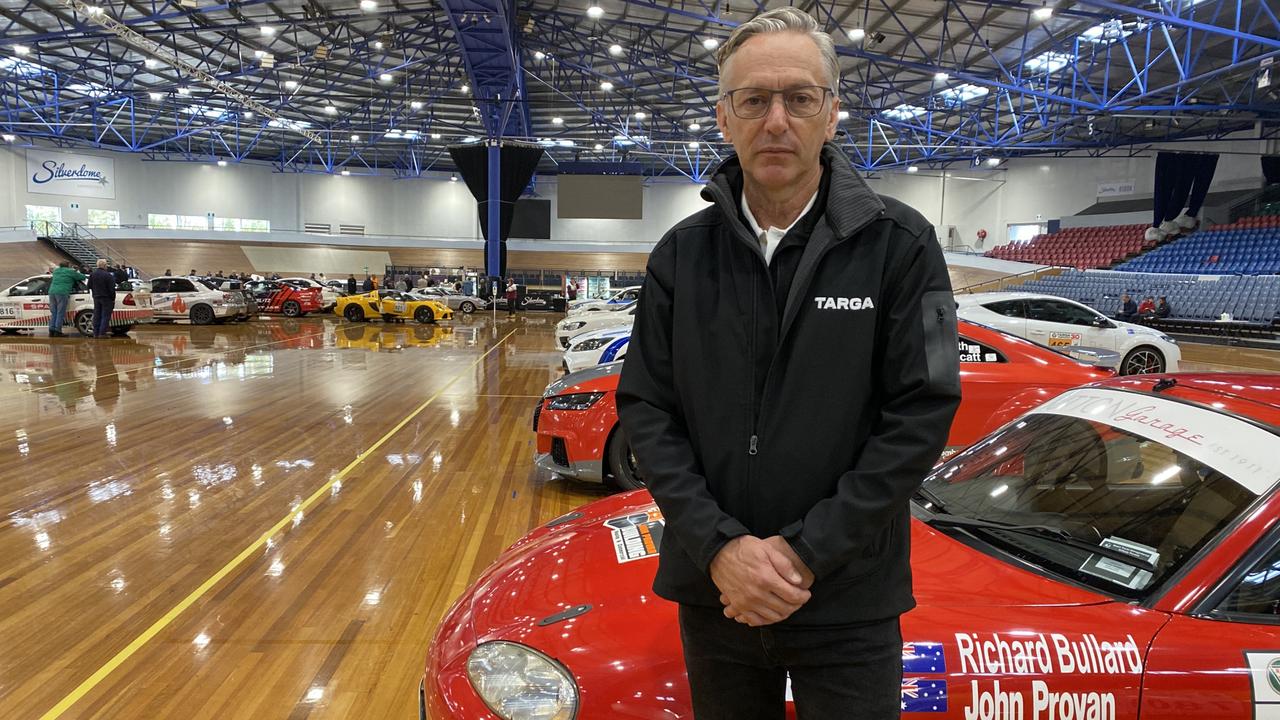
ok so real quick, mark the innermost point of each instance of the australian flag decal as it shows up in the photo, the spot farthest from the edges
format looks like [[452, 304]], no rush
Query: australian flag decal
[[922, 658], [919, 695]]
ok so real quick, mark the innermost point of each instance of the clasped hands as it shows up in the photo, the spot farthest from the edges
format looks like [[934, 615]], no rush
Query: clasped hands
[[761, 582]]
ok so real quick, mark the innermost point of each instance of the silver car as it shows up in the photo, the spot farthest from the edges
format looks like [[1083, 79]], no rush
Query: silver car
[[455, 300]]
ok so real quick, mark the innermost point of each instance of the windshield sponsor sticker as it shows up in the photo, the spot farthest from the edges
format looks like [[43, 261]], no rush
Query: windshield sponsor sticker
[[1264, 678], [636, 536], [1042, 655], [1239, 450], [1119, 572]]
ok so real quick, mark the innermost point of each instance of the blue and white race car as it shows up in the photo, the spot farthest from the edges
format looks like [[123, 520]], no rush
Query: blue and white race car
[[613, 317], [594, 348], [622, 297]]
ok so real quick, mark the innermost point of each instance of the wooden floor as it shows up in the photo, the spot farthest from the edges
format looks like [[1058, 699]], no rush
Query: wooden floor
[[267, 520]]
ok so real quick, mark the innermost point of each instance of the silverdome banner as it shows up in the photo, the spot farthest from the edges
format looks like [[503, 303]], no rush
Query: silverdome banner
[[59, 173]]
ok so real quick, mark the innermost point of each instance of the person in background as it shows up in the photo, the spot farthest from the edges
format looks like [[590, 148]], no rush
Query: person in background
[[457, 286], [102, 286], [423, 281], [401, 285], [511, 296], [168, 272], [60, 286], [572, 291], [352, 285], [313, 276], [192, 273], [120, 275], [1162, 308], [1128, 308], [1148, 307], [367, 286]]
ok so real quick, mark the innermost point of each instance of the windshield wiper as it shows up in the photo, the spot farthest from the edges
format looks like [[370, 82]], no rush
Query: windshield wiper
[[1042, 531], [935, 505]]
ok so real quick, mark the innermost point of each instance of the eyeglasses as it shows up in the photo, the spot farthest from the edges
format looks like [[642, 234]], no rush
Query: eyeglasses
[[800, 102]]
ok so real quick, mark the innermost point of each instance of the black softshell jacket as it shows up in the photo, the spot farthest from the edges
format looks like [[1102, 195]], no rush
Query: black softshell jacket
[[817, 424]]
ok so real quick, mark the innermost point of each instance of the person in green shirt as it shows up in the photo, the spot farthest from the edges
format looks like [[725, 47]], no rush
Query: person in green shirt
[[60, 287]]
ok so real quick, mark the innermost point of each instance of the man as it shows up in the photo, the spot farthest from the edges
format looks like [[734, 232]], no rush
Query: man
[[61, 285], [1162, 308], [119, 273], [368, 283], [167, 272], [351, 284], [1128, 308], [423, 281], [102, 286], [1147, 308], [512, 294], [790, 381]]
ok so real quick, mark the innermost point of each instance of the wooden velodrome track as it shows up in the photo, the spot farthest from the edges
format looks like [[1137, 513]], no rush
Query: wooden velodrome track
[[265, 520]]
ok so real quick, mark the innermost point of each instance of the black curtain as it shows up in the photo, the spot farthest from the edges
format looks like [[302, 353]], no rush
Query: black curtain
[[1271, 169], [518, 164]]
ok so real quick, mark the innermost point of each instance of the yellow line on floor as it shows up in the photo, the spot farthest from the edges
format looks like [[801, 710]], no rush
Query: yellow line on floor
[[97, 677]]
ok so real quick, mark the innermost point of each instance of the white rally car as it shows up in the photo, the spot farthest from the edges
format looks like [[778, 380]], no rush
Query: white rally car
[[623, 296], [1063, 324], [25, 305], [571, 327], [595, 348], [328, 294], [185, 298]]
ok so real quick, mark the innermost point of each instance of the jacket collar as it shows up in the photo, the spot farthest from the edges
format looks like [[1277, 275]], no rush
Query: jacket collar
[[850, 205]]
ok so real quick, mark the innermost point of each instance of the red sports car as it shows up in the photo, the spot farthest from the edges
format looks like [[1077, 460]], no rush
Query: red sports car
[[274, 296], [1001, 377], [1113, 554]]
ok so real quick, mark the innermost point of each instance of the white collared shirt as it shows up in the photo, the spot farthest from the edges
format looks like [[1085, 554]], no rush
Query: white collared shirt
[[770, 238]]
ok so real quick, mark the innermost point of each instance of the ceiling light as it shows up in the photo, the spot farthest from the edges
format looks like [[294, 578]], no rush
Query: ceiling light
[[598, 146], [377, 45], [93, 9], [355, 138], [557, 120], [992, 162], [913, 169], [222, 163], [465, 88], [615, 49], [539, 55], [259, 53], [368, 5], [595, 12], [606, 86], [151, 63], [695, 127], [710, 43], [415, 105], [693, 145], [385, 77], [291, 84], [331, 110], [248, 115], [435, 136], [267, 30], [10, 138], [1042, 13], [857, 34], [21, 49], [156, 96], [184, 91], [843, 115], [346, 173], [640, 115], [453, 178], [941, 76]]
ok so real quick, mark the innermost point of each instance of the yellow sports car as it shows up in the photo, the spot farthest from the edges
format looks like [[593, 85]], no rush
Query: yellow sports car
[[391, 305]]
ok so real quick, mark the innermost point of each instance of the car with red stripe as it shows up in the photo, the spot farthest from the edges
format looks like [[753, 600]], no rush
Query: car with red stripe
[[1001, 375], [25, 305], [1113, 554], [274, 296]]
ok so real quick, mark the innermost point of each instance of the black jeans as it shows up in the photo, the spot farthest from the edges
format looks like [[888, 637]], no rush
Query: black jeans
[[102, 308], [738, 672]]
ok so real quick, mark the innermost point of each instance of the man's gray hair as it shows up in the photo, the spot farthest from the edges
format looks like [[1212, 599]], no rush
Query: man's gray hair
[[101, 263], [786, 19]]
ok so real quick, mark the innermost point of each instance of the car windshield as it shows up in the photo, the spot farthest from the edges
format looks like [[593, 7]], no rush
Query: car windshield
[[1149, 478]]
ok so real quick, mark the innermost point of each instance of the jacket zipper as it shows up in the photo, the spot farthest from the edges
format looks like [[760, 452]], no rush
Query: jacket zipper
[[753, 330]]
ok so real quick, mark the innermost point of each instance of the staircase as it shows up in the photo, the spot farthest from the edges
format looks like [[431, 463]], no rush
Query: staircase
[[78, 243]]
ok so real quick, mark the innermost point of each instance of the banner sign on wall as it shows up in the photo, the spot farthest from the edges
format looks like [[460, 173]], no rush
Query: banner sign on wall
[[57, 173], [1117, 187]]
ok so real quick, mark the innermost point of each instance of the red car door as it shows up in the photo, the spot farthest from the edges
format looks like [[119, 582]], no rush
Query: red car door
[[1224, 661]]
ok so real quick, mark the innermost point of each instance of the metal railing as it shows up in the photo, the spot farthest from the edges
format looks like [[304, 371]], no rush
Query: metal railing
[[1008, 281]]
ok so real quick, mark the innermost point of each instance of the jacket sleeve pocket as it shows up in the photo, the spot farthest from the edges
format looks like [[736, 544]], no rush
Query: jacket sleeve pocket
[[941, 342]]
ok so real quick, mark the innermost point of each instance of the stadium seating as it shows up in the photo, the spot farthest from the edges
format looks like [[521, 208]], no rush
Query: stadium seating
[[1248, 299], [1249, 246], [1092, 247]]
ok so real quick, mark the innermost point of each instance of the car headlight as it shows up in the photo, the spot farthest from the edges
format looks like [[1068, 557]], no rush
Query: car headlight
[[519, 683], [573, 325], [1168, 339], [592, 344], [576, 401]]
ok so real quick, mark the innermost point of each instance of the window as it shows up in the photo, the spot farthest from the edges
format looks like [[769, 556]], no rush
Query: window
[[1024, 232], [1059, 312], [193, 222], [1007, 308], [104, 218], [222, 224], [42, 218], [162, 222], [182, 285], [252, 225], [37, 286], [161, 286], [1259, 590]]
